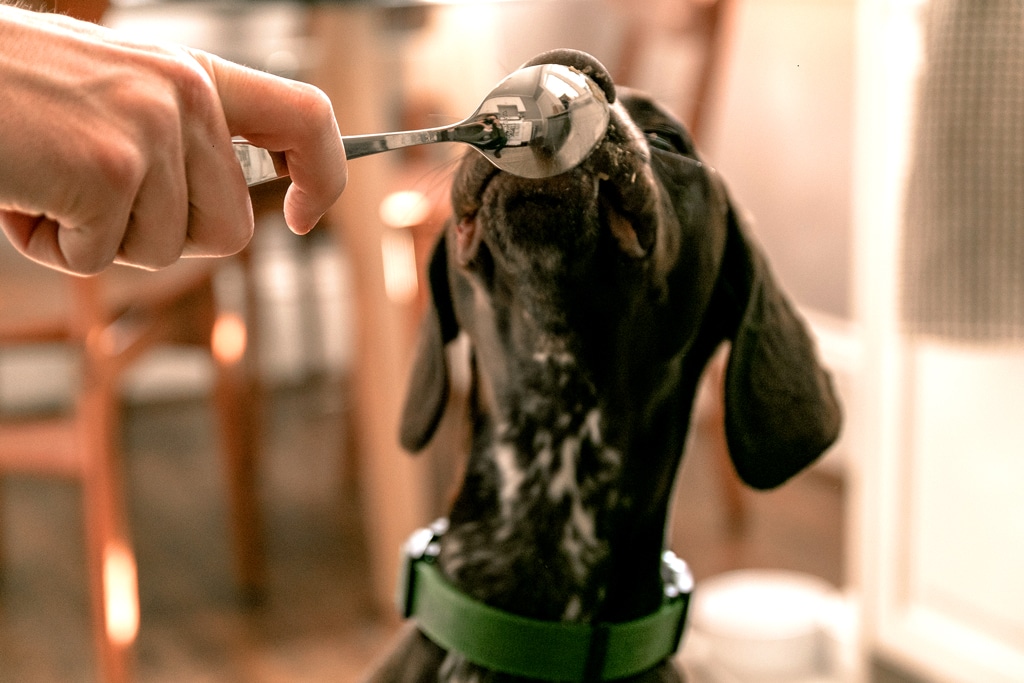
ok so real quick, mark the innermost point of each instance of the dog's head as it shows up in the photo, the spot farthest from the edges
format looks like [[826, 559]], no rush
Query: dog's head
[[635, 266]]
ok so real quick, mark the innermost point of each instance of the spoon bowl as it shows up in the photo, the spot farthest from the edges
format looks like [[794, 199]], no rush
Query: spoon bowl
[[538, 122]]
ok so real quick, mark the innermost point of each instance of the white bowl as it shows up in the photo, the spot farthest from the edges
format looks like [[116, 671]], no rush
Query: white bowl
[[763, 625]]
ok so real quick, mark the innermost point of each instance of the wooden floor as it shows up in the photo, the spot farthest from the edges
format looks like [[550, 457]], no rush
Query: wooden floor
[[316, 624]]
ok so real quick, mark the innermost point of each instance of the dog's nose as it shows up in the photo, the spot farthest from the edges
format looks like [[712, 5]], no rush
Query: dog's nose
[[583, 62]]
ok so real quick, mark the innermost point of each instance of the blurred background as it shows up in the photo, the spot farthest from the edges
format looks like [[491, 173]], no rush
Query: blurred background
[[250, 486]]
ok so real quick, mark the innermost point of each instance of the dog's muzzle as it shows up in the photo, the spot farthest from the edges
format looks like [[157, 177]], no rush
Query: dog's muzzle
[[612, 189]]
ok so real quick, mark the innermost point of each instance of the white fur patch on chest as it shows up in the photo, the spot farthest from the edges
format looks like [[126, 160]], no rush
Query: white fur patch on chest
[[566, 464]]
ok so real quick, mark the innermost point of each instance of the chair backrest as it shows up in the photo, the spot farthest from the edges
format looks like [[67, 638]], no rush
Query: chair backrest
[[86, 10], [34, 301], [706, 27]]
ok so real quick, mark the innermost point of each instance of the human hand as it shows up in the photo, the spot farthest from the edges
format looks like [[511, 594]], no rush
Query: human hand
[[116, 150]]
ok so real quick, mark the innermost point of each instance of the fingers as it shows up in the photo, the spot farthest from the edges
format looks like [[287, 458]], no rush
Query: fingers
[[142, 169], [220, 220], [192, 202], [319, 171], [155, 234], [290, 117], [81, 246], [34, 236], [164, 224]]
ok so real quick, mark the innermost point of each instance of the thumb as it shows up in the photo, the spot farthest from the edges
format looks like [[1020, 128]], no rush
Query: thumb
[[291, 117]]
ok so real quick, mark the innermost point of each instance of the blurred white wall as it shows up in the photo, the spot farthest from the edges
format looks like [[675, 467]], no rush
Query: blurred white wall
[[936, 545], [783, 140]]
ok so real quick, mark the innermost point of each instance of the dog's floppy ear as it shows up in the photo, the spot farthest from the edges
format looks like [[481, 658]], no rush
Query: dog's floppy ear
[[780, 409], [427, 393]]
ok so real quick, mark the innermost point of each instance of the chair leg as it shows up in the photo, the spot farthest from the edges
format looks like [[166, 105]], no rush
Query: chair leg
[[113, 584], [238, 402], [3, 540]]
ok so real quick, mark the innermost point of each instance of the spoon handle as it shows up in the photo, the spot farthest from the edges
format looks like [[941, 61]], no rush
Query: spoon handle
[[261, 165], [363, 145]]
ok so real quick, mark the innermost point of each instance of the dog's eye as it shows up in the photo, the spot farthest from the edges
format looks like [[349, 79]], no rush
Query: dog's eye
[[665, 140]]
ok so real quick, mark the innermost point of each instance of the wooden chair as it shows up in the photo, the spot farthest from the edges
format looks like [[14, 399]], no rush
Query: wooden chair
[[705, 24], [109, 322]]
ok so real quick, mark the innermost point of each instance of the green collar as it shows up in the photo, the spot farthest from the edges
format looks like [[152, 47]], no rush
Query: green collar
[[544, 650]]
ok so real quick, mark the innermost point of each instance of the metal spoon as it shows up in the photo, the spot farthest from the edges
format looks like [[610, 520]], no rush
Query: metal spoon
[[538, 122]]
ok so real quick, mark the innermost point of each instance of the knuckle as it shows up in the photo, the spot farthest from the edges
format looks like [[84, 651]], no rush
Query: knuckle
[[322, 129], [317, 110], [235, 241], [320, 103], [120, 164], [226, 238], [240, 237], [201, 113], [88, 263], [159, 260], [194, 86], [231, 228], [180, 93]]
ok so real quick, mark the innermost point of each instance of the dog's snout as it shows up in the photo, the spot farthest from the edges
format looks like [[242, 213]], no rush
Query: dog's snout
[[582, 62], [526, 219], [521, 219]]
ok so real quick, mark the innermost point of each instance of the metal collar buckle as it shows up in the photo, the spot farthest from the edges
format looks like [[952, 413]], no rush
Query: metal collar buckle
[[422, 544]]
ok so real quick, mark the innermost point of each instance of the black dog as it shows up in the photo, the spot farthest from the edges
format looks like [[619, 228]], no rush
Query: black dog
[[593, 301]]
